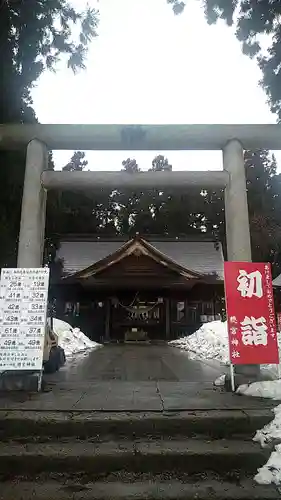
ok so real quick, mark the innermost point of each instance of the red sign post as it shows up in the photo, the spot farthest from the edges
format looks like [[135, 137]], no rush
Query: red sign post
[[250, 313]]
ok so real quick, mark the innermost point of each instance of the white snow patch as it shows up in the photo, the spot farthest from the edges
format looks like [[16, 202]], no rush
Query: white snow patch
[[265, 389], [272, 370], [209, 342], [271, 431], [72, 340], [271, 471], [220, 381]]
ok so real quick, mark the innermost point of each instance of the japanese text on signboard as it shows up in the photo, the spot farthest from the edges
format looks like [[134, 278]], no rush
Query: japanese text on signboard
[[250, 311], [23, 309]]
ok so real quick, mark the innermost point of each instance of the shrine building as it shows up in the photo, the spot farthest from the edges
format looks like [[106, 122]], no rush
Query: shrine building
[[142, 289]]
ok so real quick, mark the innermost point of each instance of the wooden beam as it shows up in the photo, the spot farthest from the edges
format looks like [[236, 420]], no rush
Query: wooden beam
[[107, 319], [85, 181], [141, 137], [167, 318]]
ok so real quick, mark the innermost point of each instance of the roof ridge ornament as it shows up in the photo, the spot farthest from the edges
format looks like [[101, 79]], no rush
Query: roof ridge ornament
[[137, 252]]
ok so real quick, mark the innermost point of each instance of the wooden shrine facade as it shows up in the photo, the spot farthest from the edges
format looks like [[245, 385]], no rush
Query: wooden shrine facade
[[156, 289]]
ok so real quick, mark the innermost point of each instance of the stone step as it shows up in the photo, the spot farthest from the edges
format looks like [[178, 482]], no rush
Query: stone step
[[212, 423], [155, 456], [139, 490]]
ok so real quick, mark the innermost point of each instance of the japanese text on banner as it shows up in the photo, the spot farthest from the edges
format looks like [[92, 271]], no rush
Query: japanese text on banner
[[250, 311]]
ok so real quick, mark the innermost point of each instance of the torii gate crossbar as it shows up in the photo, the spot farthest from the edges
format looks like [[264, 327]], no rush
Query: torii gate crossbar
[[230, 139]]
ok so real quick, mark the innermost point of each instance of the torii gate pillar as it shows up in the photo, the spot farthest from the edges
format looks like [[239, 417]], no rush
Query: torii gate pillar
[[238, 239], [236, 204], [33, 213]]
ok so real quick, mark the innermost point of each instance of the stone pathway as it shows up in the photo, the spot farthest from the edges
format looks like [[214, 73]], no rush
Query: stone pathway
[[130, 363], [133, 378], [129, 422]]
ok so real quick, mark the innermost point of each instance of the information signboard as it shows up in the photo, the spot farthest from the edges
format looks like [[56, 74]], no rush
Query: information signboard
[[23, 311]]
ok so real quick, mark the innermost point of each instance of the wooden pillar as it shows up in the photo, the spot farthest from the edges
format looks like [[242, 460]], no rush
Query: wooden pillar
[[214, 307], [167, 318], [107, 320]]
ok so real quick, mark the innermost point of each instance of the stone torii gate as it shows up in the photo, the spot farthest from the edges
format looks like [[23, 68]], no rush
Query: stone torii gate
[[230, 139]]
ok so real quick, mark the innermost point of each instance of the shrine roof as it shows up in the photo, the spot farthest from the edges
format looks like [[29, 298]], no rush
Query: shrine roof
[[202, 256]]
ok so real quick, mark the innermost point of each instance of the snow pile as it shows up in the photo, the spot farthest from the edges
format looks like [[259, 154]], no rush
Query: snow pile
[[72, 340], [209, 342], [273, 369], [271, 431], [271, 471], [265, 389]]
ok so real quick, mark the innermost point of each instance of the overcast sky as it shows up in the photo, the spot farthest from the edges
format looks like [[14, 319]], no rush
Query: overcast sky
[[149, 66]]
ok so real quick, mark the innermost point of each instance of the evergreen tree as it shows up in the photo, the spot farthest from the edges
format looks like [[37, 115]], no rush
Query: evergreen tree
[[254, 20], [173, 213], [160, 163], [177, 5], [264, 198], [34, 35], [130, 166]]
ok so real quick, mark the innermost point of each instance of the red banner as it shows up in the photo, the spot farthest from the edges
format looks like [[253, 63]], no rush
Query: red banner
[[250, 313]]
